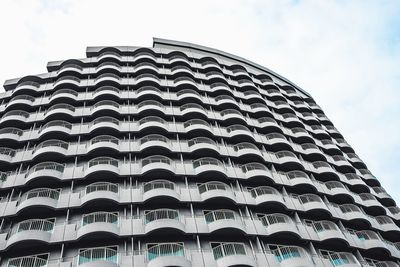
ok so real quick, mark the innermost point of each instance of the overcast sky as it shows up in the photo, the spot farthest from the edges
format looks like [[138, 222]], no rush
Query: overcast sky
[[346, 54]]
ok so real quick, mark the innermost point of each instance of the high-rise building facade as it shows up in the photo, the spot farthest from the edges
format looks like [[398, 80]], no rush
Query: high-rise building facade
[[181, 155]]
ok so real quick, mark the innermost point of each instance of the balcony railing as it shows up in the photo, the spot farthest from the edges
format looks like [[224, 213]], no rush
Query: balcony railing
[[228, 249], [98, 254], [100, 217], [209, 186], [45, 225], [44, 192], [161, 214], [28, 261], [165, 249], [101, 186], [216, 215], [156, 184]]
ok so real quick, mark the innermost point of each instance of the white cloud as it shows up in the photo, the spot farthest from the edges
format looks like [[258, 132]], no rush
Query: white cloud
[[345, 53]]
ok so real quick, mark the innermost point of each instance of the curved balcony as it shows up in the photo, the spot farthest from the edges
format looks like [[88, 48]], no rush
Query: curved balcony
[[355, 180], [253, 95], [160, 188], [15, 115], [208, 63], [232, 114], [369, 201], [21, 100], [215, 75], [147, 78], [154, 142], [45, 169], [45, 197], [232, 254], [312, 202], [185, 81], [106, 92], [105, 106], [51, 146], [223, 220], [103, 142], [255, 169], [152, 121], [325, 169], [145, 55], [278, 223], [148, 105], [299, 178], [344, 259], [328, 230], [62, 94], [216, 190], [70, 67], [369, 239], [6, 154], [163, 219], [108, 65], [288, 158], [157, 162], [265, 195], [189, 93], [226, 100], [247, 149], [33, 229], [59, 110], [267, 122], [29, 261], [67, 80], [292, 256], [102, 164], [193, 108], [301, 133], [215, 87], [28, 85], [291, 119], [310, 149], [277, 139], [149, 92], [100, 190], [11, 133], [100, 256], [353, 212], [196, 125], [167, 254], [386, 224], [99, 222], [109, 54], [107, 77], [55, 126], [337, 188], [202, 143], [208, 164]]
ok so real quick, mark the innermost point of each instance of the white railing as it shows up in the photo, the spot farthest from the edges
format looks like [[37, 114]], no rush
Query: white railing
[[45, 225], [104, 138], [98, 254], [43, 192], [228, 249], [209, 186], [263, 190], [253, 166], [156, 184], [165, 249], [103, 160], [28, 261], [216, 215], [47, 166], [206, 161], [275, 218], [100, 217], [156, 159], [101, 186], [160, 214], [284, 253]]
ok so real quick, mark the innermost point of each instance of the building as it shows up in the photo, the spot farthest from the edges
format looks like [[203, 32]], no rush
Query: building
[[181, 155]]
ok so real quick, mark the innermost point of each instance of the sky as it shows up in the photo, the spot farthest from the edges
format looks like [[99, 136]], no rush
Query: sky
[[346, 54]]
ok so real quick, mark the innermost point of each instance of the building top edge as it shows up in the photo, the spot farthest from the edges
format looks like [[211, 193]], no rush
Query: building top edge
[[157, 44]]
